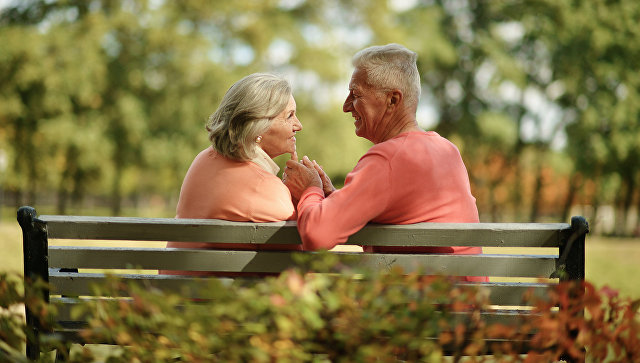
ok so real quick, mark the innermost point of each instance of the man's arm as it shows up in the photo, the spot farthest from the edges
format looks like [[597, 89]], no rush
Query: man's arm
[[325, 222], [300, 175]]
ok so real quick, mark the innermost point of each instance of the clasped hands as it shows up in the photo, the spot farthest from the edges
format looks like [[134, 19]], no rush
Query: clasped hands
[[301, 174]]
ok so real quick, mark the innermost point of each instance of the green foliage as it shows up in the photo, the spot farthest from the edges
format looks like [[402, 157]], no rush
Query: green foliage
[[12, 329], [13, 332], [344, 316], [295, 317], [591, 51], [498, 130]]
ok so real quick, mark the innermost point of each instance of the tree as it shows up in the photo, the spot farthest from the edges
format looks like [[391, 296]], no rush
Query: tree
[[592, 48], [110, 97]]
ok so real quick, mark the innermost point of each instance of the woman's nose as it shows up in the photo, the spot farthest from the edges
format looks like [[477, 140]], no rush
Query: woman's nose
[[297, 125]]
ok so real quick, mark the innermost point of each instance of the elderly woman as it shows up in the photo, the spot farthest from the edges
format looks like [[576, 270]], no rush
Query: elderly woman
[[235, 178]]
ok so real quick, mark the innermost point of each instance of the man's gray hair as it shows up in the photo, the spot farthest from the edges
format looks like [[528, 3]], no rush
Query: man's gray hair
[[391, 66], [246, 111]]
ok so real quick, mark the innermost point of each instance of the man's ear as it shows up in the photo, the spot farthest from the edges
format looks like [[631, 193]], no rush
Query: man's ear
[[394, 98]]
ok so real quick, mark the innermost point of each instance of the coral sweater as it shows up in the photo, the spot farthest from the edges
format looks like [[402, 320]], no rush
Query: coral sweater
[[411, 178], [216, 187]]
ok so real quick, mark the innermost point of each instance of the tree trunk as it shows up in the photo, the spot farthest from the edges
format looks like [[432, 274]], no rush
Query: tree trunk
[[63, 197], [573, 187], [537, 196], [626, 199], [65, 176], [493, 208], [116, 194], [77, 192], [516, 193], [636, 230], [593, 227]]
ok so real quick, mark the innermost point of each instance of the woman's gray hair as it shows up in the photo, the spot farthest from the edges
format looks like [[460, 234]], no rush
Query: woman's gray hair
[[391, 66], [246, 111]]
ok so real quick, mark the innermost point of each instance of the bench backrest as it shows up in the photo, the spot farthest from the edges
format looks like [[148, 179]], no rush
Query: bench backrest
[[71, 269]]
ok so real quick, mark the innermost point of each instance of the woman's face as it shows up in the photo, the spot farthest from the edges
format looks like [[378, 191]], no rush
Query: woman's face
[[280, 138]]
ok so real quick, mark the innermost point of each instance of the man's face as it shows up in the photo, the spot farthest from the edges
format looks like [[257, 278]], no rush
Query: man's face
[[367, 106]]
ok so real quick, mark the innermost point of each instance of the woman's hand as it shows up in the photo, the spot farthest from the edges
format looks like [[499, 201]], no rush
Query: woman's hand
[[300, 175]]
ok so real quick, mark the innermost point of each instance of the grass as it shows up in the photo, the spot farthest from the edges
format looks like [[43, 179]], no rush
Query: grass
[[614, 262], [609, 261], [10, 247]]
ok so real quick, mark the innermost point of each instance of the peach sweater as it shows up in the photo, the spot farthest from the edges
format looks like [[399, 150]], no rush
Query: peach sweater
[[216, 187], [411, 178]]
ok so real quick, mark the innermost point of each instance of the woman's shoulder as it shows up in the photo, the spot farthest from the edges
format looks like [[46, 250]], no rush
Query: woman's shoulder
[[241, 193], [244, 177], [210, 155]]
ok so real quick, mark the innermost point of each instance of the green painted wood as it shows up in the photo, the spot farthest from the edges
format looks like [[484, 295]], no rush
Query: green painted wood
[[79, 284], [463, 234], [170, 229], [219, 231], [276, 261], [512, 293], [65, 306], [70, 332]]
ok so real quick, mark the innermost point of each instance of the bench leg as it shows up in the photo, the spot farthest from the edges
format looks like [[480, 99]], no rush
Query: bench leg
[[33, 349], [34, 248], [62, 353]]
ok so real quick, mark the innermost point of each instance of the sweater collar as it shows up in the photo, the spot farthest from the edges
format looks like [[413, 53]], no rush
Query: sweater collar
[[265, 162]]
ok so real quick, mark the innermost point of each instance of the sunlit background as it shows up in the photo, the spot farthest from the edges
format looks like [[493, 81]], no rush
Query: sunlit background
[[103, 102]]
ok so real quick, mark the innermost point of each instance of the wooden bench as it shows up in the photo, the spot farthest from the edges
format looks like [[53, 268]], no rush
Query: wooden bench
[[562, 246]]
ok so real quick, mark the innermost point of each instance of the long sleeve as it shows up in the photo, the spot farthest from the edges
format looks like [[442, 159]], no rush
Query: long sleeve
[[325, 222]]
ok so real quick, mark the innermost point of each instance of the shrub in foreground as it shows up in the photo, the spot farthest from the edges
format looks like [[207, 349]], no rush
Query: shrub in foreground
[[13, 330], [382, 317]]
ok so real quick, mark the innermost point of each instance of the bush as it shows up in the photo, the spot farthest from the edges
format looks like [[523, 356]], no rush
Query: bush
[[294, 317], [348, 316], [12, 328], [13, 331]]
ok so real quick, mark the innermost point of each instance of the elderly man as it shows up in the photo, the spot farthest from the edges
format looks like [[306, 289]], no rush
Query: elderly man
[[408, 176]]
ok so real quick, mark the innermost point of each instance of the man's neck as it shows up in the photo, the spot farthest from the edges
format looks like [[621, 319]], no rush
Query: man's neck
[[405, 123]]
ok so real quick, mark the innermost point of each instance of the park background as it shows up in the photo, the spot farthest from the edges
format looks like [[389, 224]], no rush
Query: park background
[[103, 102]]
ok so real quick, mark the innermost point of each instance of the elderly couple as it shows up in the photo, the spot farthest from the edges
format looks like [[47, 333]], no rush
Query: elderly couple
[[408, 176]]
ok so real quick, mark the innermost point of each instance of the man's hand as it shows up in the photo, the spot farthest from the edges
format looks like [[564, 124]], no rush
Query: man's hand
[[299, 175], [327, 186]]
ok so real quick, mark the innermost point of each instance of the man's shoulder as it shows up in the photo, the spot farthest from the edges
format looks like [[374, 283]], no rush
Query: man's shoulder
[[407, 142], [392, 145], [430, 138]]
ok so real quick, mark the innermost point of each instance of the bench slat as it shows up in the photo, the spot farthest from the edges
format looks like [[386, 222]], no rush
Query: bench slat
[[70, 331], [463, 234], [65, 305], [277, 261], [79, 284], [220, 231]]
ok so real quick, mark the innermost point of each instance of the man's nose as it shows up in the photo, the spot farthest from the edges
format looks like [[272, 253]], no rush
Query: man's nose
[[346, 107]]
